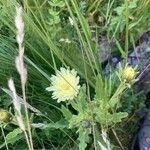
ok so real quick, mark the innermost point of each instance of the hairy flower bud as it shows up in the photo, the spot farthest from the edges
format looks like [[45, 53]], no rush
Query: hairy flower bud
[[5, 117], [128, 74], [85, 123]]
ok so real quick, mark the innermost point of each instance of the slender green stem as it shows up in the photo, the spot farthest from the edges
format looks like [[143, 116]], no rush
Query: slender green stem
[[105, 138], [80, 36], [27, 116], [93, 128], [94, 134], [119, 90], [27, 139], [4, 138], [127, 28], [117, 139]]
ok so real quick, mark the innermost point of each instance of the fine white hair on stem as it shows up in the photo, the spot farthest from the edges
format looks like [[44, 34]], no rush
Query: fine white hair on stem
[[16, 103], [19, 25], [22, 69], [20, 123], [19, 37]]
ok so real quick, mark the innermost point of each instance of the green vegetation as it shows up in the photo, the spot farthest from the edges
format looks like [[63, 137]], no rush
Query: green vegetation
[[78, 36]]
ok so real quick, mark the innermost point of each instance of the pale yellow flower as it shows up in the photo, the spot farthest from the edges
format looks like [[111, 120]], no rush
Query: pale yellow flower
[[65, 85]]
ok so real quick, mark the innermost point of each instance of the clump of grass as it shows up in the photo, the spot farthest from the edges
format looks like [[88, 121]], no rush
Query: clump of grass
[[23, 76]]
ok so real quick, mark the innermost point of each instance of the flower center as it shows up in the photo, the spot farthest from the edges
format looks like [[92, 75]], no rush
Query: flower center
[[65, 86]]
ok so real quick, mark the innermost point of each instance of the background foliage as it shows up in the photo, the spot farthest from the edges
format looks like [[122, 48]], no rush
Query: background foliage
[[51, 41]]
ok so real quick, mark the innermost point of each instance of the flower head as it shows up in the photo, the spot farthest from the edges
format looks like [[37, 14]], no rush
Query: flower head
[[5, 116], [128, 74], [19, 25], [65, 85]]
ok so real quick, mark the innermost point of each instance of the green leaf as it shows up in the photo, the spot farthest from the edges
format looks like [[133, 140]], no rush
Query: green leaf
[[106, 118], [99, 89], [82, 100], [61, 124], [54, 21], [83, 138], [119, 10], [13, 137], [53, 13], [133, 4], [75, 121], [116, 117], [56, 3], [67, 114]]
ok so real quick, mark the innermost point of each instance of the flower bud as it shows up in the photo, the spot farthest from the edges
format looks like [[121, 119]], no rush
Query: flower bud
[[5, 117], [85, 123], [128, 74]]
